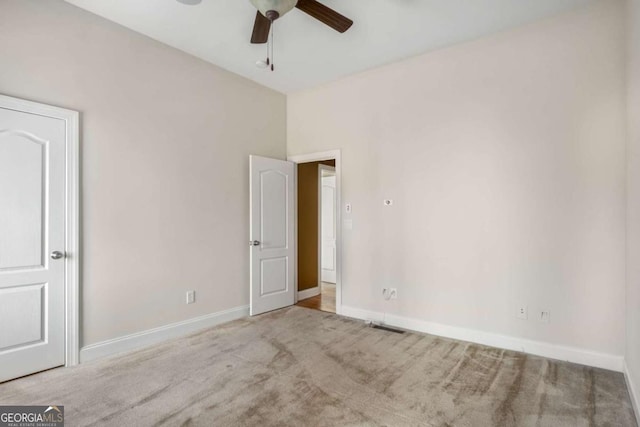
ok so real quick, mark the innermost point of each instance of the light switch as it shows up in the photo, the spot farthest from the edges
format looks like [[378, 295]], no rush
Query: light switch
[[191, 297], [347, 208]]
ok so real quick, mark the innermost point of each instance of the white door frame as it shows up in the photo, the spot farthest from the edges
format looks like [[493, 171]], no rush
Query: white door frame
[[318, 157], [72, 216], [332, 169]]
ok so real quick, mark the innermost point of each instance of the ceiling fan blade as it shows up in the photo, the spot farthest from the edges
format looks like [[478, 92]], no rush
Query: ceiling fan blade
[[325, 15], [260, 29]]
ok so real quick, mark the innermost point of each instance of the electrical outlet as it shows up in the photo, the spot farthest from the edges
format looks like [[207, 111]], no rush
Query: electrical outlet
[[191, 297], [522, 312], [347, 208], [544, 316]]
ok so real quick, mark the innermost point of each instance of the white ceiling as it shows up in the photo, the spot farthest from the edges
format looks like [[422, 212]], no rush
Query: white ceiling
[[308, 53]]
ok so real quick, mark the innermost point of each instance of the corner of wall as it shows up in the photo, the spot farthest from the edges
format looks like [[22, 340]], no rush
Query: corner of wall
[[632, 289], [633, 391]]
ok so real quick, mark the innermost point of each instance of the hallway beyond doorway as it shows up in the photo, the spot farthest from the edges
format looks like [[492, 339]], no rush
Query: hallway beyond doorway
[[325, 301]]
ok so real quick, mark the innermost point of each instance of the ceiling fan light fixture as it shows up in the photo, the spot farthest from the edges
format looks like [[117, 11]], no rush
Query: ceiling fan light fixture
[[279, 6], [190, 2]]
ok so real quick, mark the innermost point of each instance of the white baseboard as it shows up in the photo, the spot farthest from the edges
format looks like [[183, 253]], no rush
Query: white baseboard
[[633, 392], [157, 335], [308, 293], [539, 348]]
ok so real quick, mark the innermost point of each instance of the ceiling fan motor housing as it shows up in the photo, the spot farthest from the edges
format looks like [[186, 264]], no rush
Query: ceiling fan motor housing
[[267, 7]]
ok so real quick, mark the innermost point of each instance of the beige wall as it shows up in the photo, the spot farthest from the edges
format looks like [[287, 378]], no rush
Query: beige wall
[[165, 145], [633, 203], [308, 223], [505, 158]]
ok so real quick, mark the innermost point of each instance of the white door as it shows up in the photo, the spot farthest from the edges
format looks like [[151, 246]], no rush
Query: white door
[[32, 221], [328, 224], [272, 190]]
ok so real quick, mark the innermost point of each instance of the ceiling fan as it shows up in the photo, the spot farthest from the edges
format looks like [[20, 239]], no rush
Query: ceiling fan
[[270, 10]]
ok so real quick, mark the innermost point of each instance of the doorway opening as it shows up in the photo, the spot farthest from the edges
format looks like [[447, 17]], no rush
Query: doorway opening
[[318, 231]]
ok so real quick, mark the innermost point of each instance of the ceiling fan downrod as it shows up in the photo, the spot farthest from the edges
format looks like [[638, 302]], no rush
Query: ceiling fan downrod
[[272, 15], [272, 43]]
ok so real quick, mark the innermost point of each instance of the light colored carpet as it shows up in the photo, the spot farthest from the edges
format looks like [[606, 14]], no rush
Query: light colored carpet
[[301, 367]]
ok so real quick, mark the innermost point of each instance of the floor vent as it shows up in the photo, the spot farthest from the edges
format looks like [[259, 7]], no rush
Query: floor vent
[[387, 328]]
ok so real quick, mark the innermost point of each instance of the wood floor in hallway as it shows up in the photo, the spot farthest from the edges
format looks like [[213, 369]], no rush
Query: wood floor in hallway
[[325, 301]]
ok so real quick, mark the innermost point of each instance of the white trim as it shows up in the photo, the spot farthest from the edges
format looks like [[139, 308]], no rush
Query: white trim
[[318, 157], [308, 293], [296, 297], [157, 335], [361, 314], [633, 392], [314, 157], [538, 348], [73, 240], [319, 225], [72, 216]]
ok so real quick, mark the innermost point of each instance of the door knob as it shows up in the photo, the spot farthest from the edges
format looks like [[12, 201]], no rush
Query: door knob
[[254, 243], [57, 255]]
